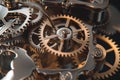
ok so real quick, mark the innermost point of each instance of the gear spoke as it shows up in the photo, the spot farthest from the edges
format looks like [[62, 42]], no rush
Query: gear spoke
[[35, 33], [47, 40], [79, 30], [77, 41], [61, 45], [67, 22], [51, 37], [108, 64], [109, 50], [49, 24], [53, 45]]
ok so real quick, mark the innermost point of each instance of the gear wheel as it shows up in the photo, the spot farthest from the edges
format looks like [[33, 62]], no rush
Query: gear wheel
[[112, 59], [69, 31]]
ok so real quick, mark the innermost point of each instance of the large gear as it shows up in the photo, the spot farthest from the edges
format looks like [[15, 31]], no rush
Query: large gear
[[69, 30], [111, 52]]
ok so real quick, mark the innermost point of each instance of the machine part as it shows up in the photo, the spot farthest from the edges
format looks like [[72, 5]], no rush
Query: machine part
[[4, 25], [69, 31], [112, 57], [113, 23], [21, 67], [100, 53], [95, 4]]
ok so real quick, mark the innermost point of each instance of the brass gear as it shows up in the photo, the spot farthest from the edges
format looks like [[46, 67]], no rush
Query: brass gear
[[112, 52], [69, 31]]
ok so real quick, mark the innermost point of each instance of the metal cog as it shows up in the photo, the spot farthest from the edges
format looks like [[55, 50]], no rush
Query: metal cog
[[69, 31], [111, 51]]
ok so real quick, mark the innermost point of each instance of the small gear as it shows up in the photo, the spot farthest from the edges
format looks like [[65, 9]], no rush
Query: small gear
[[69, 31], [112, 59]]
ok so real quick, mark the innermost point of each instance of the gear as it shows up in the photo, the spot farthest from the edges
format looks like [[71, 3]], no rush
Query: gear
[[112, 59], [69, 31]]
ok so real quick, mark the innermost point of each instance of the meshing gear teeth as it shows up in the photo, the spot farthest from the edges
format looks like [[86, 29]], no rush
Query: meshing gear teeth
[[54, 42], [114, 50]]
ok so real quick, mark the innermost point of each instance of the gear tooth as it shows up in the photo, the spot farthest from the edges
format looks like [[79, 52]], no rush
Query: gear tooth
[[103, 77], [110, 74]]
